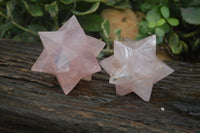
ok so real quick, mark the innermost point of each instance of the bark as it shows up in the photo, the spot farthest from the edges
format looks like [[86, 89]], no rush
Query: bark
[[34, 102]]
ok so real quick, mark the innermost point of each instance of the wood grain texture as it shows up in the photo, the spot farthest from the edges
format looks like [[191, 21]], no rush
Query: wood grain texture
[[34, 102]]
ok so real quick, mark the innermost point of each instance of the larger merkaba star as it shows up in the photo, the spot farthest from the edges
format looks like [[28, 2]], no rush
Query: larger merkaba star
[[69, 54], [134, 67]]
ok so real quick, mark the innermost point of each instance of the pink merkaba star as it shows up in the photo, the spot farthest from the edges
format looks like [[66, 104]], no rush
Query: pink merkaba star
[[134, 67], [69, 54]]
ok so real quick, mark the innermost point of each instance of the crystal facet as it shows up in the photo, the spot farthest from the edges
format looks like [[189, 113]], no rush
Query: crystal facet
[[134, 67], [69, 54]]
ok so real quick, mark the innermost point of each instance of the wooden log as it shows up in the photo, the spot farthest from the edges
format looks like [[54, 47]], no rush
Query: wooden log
[[34, 102]]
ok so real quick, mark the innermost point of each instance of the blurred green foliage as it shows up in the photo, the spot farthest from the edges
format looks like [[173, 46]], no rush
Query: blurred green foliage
[[176, 25], [175, 22], [21, 20]]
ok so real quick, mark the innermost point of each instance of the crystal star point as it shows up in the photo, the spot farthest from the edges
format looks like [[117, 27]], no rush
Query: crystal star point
[[69, 54], [134, 67]]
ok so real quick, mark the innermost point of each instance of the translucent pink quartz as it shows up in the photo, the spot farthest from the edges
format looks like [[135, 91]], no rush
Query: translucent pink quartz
[[69, 54], [134, 67]]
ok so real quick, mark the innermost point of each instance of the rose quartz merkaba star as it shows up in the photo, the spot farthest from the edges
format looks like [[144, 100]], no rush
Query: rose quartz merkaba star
[[69, 54], [134, 67]]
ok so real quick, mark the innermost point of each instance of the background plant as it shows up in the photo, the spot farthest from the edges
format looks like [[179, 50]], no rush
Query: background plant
[[21, 20], [175, 22]]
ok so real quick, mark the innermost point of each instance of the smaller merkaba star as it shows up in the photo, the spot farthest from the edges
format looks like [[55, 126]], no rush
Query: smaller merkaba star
[[69, 54], [134, 67]]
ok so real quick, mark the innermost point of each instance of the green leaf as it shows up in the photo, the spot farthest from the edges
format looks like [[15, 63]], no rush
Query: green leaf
[[195, 45], [143, 27], [106, 28], [110, 2], [26, 37], [165, 27], [159, 39], [93, 8], [140, 37], [10, 5], [173, 21], [118, 34], [123, 5], [161, 22], [67, 2], [159, 32], [184, 46], [164, 11], [174, 43], [173, 39], [143, 23], [5, 28], [176, 49], [36, 27], [91, 22], [34, 10], [191, 15], [153, 17], [152, 25], [52, 9], [8, 10], [146, 7], [105, 32]]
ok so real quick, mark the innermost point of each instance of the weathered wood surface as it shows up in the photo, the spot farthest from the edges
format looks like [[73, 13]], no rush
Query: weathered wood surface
[[34, 102]]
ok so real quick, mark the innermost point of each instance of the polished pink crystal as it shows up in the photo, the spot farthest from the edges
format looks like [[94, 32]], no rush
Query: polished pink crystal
[[134, 67], [69, 54]]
